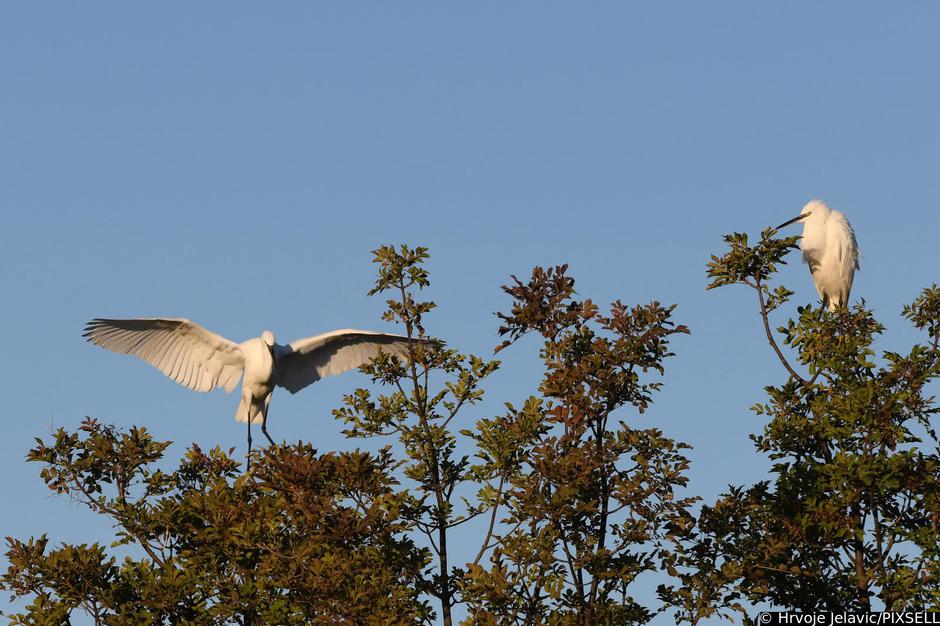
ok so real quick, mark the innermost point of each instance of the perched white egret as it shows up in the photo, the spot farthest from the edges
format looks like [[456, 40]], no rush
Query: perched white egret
[[830, 250], [201, 360]]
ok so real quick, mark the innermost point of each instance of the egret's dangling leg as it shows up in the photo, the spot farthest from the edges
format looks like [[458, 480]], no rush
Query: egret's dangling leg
[[264, 419], [250, 412], [249, 439]]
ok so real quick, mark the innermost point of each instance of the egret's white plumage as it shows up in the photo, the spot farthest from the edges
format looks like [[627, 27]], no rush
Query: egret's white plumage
[[201, 360], [830, 250]]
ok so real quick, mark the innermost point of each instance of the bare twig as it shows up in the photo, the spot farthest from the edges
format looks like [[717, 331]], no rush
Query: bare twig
[[489, 531], [764, 313]]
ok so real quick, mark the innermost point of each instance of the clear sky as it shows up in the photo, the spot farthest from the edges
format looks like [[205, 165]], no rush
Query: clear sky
[[234, 163]]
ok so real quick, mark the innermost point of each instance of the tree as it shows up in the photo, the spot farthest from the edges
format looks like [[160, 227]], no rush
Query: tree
[[591, 503], [420, 417], [852, 513], [302, 538]]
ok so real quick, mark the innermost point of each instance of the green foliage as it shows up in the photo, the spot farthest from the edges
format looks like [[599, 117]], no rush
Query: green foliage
[[302, 538], [590, 502], [753, 265], [852, 513], [924, 313], [576, 503]]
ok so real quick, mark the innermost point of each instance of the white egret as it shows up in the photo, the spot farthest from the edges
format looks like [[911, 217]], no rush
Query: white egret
[[201, 360], [830, 250]]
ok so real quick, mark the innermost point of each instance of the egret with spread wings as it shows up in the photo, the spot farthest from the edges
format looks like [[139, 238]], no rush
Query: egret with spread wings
[[202, 360], [830, 250]]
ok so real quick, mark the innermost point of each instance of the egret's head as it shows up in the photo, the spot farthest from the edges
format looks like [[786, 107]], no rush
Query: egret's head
[[814, 210], [268, 338]]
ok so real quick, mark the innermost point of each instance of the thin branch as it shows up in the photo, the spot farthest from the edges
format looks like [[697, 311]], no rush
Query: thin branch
[[501, 540], [576, 575], [489, 531], [764, 313], [469, 517], [456, 408], [430, 537], [786, 571], [411, 405], [95, 505]]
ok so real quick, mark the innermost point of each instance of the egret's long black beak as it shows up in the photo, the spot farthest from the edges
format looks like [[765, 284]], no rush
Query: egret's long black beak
[[788, 222]]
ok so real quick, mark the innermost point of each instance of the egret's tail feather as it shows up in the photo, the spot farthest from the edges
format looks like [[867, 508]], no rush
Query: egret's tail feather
[[241, 414]]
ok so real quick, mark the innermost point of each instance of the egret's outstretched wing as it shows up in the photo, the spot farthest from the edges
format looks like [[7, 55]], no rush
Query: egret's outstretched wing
[[183, 350], [306, 361]]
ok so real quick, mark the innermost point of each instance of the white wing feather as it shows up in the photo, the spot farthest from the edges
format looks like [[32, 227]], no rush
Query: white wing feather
[[841, 230], [183, 350], [306, 361], [847, 260]]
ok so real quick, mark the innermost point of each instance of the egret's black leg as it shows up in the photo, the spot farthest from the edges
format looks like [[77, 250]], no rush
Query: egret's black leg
[[264, 418], [264, 427], [249, 438]]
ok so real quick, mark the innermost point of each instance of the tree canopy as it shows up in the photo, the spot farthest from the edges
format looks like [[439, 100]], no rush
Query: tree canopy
[[576, 503]]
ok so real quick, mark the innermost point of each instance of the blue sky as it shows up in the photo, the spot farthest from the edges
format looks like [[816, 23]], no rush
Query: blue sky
[[235, 163]]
